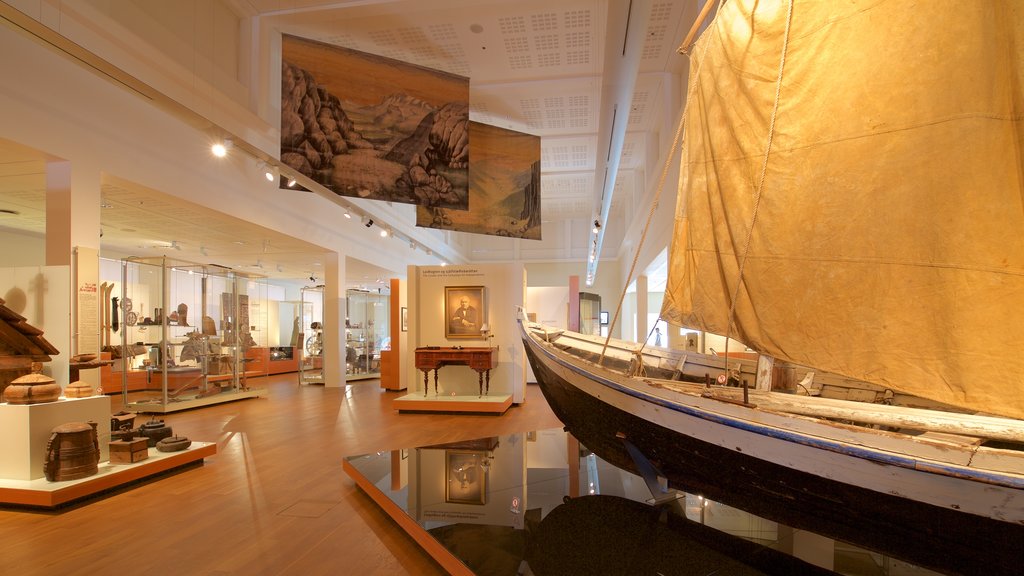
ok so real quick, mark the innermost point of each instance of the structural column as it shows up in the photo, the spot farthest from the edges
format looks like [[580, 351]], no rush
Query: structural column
[[73, 202], [335, 311]]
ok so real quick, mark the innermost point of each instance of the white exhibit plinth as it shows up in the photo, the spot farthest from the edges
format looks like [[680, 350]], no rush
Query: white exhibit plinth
[[25, 429]]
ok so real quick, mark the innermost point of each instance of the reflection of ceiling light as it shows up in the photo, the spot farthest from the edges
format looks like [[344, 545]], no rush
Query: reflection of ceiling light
[[347, 215], [291, 182]]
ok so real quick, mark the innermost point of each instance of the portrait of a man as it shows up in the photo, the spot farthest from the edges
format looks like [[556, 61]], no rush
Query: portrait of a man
[[464, 311]]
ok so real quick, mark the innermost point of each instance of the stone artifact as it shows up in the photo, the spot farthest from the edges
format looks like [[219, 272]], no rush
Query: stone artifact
[[34, 388], [72, 452], [173, 444], [154, 430], [121, 419]]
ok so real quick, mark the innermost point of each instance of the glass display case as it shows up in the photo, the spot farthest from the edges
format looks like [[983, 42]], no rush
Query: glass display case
[[366, 333], [188, 330], [310, 340]]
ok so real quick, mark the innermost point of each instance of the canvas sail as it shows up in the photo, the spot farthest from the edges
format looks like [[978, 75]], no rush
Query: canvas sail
[[888, 239]]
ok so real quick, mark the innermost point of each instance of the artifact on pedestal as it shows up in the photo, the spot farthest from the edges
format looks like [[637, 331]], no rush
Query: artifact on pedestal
[[72, 452], [154, 430], [128, 449], [173, 444], [34, 388], [21, 344], [78, 390]]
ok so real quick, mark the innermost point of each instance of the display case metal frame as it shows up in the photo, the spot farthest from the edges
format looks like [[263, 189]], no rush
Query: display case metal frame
[[367, 332], [310, 344]]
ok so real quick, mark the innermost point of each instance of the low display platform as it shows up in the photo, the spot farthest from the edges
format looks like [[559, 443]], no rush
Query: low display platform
[[156, 405], [45, 494], [417, 402]]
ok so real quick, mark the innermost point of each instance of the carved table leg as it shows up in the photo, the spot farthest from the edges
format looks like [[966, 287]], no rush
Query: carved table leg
[[480, 383], [487, 390], [435, 381], [425, 385]]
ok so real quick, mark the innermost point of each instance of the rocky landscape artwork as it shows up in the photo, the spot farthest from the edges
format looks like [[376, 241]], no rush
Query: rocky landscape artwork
[[373, 127], [504, 187]]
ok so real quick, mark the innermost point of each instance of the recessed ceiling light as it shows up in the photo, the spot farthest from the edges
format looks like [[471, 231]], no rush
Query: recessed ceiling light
[[220, 149]]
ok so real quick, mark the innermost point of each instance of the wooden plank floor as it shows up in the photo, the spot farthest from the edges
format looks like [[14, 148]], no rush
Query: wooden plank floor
[[274, 499]]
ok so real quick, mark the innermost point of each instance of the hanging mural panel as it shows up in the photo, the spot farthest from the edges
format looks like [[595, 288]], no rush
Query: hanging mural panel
[[504, 187], [373, 127]]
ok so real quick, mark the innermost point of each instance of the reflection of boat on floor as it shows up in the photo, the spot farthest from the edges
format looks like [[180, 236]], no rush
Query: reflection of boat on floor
[[612, 536]]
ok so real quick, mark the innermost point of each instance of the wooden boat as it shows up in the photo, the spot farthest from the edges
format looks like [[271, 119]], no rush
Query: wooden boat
[[850, 200]]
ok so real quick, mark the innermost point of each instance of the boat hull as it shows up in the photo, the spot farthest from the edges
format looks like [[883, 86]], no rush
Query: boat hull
[[939, 538]]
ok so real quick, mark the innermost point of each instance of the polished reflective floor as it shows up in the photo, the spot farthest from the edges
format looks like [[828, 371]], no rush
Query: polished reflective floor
[[539, 503]]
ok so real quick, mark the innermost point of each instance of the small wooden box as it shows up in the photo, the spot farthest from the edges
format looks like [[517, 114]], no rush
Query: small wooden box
[[129, 451]]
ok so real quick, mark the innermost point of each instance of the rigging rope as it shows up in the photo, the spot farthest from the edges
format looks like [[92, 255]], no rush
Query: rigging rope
[[760, 184], [676, 141]]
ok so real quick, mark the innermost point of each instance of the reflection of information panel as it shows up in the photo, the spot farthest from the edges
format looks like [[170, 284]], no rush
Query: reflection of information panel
[[479, 358]]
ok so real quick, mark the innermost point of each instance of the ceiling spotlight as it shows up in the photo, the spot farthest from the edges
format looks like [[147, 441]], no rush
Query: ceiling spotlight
[[220, 149], [368, 222], [292, 182], [348, 215], [269, 171], [384, 233], [597, 226]]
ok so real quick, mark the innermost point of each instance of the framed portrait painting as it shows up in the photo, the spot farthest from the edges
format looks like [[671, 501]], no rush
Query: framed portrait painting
[[464, 308], [466, 481]]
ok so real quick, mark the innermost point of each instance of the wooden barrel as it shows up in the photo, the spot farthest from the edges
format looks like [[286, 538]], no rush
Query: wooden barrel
[[72, 452]]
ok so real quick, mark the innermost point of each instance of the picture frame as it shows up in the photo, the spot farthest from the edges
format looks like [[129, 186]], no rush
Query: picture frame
[[464, 312], [405, 319], [466, 478]]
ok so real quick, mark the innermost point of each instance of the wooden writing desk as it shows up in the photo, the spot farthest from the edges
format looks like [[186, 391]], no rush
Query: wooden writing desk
[[479, 358]]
